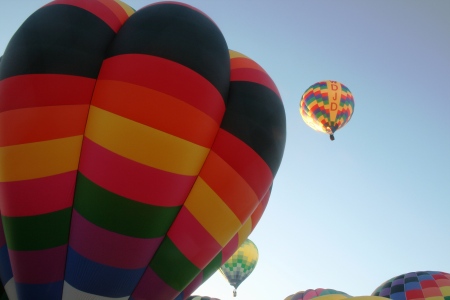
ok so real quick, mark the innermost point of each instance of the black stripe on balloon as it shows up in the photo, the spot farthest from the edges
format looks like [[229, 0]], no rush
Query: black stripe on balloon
[[255, 114], [180, 34], [58, 39]]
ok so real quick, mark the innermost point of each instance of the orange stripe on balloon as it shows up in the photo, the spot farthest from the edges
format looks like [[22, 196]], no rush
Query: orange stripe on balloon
[[245, 161], [229, 186], [117, 9], [42, 123], [157, 73], [244, 63], [157, 110]]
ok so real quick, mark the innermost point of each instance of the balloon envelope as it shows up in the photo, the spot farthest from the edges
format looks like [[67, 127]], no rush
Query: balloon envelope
[[320, 292], [241, 264], [416, 285], [327, 106], [128, 158]]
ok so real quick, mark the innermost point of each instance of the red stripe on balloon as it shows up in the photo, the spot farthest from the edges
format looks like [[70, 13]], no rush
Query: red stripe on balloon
[[43, 90], [244, 160], [42, 123], [133, 180], [110, 248], [255, 76], [38, 267], [241, 199], [37, 196], [158, 289], [185, 232], [157, 73], [102, 11]]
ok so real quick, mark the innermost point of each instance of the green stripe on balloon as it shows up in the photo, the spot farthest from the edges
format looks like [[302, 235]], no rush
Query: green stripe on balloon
[[119, 214], [170, 272], [37, 232]]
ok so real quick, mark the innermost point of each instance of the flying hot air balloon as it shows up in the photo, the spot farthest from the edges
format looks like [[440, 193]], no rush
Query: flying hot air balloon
[[320, 292], [240, 265], [327, 106], [128, 158]]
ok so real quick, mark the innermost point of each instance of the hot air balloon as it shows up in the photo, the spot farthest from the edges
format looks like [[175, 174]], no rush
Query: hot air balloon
[[129, 161], [320, 292], [416, 285], [240, 265], [327, 106]]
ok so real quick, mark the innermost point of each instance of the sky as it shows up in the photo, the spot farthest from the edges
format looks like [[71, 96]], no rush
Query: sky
[[373, 204]]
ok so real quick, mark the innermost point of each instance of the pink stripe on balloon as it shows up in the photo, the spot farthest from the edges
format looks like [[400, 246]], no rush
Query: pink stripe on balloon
[[152, 287], [40, 266], [110, 248], [133, 180], [37, 196]]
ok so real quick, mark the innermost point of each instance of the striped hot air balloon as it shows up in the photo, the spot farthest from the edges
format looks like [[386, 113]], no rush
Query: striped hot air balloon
[[327, 106], [130, 163]]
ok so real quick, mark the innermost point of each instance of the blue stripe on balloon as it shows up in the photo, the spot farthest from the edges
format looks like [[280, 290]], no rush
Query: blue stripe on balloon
[[49, 291], [398, 296], [95, 278], [411, 286], [5, 265]]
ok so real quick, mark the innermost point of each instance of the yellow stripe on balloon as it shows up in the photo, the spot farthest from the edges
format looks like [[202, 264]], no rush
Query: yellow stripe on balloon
[[212, 213], [445, 290], [334, 98], [128, 9], [245, 231], [235, 54], [40, 159], [144, 144]]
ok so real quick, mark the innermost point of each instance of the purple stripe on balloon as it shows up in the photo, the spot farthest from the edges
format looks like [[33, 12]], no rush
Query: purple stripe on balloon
[[158, 289], [2, 235], [398, 281], [40, 266], [133, 180], [110, 248]]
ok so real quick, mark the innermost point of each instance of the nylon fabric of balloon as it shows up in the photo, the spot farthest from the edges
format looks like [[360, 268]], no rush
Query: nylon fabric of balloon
[[80, 155], [241, 264], [308, 294], [416, 285], [327, 106], [201, 298]]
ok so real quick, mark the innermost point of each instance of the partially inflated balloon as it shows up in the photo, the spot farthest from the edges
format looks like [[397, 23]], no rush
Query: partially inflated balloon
[[327, 106], [128, 160], [314, 293], [241, 264], [430, 285]]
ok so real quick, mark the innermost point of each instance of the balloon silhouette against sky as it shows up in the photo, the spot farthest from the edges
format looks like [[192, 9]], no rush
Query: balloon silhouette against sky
[[136, 150]]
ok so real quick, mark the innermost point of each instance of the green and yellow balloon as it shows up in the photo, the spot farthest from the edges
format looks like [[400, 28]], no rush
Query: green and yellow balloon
[[241, 264]]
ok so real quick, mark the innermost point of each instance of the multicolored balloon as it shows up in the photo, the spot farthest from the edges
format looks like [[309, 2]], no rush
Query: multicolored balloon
[[320, 292], [128, 159], [416, 285], [327, 106], [241, 264]]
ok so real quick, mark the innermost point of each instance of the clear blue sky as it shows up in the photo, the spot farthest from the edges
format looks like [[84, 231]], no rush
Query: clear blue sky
[[374, 203]]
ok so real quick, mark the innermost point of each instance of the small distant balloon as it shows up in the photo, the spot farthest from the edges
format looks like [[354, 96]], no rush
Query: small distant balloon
[[240, 265], [320, 292], [327, 106]]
